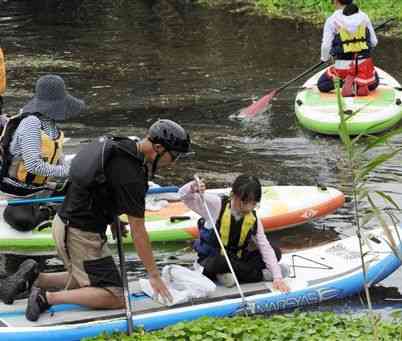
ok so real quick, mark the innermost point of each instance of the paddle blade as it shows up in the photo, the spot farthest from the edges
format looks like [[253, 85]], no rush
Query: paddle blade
[[258, 107]]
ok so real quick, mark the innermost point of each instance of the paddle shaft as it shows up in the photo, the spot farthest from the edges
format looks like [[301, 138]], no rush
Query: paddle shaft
[[22, 202], [126, 289], [218, 237], [381, 26], [304, 73]]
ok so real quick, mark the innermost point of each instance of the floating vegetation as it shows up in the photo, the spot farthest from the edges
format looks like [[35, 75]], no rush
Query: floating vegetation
[[298, 326]]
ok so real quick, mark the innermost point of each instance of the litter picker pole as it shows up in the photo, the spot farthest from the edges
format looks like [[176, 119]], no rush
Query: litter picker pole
[[126, 289]]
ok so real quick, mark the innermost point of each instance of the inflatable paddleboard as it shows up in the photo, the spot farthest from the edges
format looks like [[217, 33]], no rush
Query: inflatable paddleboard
[[378, 111], [281, 207], [328, 272]]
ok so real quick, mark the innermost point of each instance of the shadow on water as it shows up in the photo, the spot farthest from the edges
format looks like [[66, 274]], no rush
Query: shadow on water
[[136, 61]]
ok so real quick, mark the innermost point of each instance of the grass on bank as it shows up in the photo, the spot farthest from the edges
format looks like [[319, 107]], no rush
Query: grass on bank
[[376, 9], [296, 327], [316, 11]]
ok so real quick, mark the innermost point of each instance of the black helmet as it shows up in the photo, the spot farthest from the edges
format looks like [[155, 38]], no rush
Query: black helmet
[[170, 135]]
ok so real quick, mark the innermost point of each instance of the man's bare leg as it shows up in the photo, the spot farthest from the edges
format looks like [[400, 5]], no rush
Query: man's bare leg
[[52, 280], [95, 298]]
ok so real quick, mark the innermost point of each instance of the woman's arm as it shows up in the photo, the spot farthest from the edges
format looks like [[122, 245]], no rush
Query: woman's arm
[[327, 38], [267, 252], [373, 36], [191, 198]]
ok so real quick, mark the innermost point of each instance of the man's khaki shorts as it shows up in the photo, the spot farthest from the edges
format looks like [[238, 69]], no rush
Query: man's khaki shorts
[[87, 258]]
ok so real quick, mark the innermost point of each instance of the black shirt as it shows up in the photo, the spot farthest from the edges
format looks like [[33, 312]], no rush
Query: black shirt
[[124, 192]]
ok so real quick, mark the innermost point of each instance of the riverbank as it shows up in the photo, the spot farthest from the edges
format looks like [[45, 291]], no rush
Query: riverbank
[[313, 11]]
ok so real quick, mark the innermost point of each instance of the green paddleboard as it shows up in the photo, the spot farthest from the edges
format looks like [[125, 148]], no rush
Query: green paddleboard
[[378, 111]]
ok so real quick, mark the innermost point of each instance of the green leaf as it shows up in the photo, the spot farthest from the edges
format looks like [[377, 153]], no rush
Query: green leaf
[[388, 199], [383, 139], [380, 159]]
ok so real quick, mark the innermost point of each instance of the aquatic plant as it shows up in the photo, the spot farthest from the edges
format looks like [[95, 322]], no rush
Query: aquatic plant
[[359, 166], [296, 326]]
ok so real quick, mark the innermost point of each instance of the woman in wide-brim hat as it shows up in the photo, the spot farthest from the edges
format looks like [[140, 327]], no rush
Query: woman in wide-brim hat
[[36, 147]]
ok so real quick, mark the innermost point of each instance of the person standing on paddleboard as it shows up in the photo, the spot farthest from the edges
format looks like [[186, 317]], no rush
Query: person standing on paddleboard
[[108, 178], [349, 38], [252, 257]]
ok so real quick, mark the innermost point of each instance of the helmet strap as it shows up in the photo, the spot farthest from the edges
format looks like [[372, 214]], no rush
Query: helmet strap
[[155, 166]]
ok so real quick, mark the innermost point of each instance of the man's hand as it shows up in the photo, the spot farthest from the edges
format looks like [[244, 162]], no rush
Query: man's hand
[[123, 228], [160, 288], [144, 250], [279, 284]]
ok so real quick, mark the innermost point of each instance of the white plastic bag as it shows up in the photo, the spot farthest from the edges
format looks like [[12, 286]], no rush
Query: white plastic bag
[[183, 284]]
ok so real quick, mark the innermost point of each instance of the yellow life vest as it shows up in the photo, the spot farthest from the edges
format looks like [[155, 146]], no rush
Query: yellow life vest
[[2, 73], [248, 224], [51, 151], [354, 42]]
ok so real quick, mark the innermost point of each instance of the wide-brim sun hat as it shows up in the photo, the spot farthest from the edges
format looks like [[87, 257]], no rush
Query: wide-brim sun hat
[[52, 100]]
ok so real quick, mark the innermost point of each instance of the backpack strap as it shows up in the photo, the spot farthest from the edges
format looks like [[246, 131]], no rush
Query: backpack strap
[[123, 143]]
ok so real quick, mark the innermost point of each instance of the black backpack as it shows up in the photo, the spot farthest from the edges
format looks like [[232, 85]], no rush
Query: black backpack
[[88, 166], [8, 125]]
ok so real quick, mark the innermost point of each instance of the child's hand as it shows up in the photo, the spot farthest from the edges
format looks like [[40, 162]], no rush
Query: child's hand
[[279, 284], [198, 185]]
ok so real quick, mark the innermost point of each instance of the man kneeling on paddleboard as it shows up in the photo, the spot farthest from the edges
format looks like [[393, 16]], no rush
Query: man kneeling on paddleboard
[[349, 37], [252, 257], [108, 178]]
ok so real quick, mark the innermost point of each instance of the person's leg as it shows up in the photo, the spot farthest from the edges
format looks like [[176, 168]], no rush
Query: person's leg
[[367, 79], [325, 83], [247, 271], [375, 84], [26, 218], [92, 269], [92, 297], [57, 280], [96, 298]]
